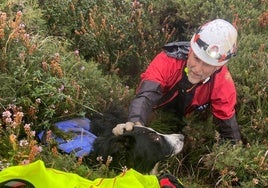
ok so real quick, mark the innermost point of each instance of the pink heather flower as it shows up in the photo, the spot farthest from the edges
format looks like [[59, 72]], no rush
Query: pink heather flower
[[13, 124], [23, 143], [76, 52], [27, 127], [22, 55], [27, 36], [61, 88], [6, 114], [57, 55], [19, 13], [32, 133], [22, 26], [44, 65], [99, 158], [124, 169], [38, 100], [8, 120], [12, 106], [109, 158], [40, 149]]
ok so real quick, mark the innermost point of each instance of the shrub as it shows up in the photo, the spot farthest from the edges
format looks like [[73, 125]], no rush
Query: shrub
[[122, 44], [73, 71], [34, 67], [238, 166], [44, 83], [250, 74]]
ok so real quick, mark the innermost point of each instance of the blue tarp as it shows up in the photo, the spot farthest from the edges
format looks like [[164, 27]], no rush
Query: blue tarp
[[81, 143]]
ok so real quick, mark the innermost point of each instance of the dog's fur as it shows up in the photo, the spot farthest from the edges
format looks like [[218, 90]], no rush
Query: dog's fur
[[139, 149]]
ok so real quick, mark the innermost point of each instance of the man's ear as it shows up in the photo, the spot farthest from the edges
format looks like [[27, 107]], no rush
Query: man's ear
[[190, 50]]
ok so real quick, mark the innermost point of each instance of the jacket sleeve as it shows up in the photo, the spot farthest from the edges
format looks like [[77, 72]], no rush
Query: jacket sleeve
[[228, 128], [161, 75], [223, 102], [223, 106], [148, 95]]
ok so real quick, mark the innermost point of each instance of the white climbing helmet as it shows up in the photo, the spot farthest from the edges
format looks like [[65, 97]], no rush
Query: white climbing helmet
[[215, 42]]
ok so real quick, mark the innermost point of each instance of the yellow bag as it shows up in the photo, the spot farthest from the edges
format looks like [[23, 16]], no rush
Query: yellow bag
[[38, 176]]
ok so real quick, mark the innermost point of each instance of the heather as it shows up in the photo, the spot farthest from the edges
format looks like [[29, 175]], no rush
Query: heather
[[65, 59]]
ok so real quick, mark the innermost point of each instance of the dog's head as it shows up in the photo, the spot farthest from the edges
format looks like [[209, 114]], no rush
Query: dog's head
[[140, 149]]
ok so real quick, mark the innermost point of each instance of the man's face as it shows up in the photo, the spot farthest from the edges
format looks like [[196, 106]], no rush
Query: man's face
[[198, 70]]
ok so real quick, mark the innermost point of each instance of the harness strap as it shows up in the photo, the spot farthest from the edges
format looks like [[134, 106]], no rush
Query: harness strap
[[185, 95]]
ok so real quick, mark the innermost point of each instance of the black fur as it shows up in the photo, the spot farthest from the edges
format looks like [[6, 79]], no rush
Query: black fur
[[139, 149]]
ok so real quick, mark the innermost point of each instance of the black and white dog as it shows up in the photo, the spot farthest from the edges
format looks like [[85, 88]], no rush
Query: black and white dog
[[140, 149]]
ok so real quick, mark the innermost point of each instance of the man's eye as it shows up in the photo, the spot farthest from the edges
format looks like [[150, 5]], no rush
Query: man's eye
[[196, 57]]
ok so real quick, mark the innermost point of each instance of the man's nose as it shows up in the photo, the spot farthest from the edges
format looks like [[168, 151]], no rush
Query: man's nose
[[198, 66]]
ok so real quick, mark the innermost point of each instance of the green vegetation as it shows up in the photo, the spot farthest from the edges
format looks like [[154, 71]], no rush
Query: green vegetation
[[63, 59]]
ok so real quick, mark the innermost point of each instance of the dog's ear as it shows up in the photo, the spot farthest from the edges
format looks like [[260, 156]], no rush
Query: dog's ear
[[124, 142]]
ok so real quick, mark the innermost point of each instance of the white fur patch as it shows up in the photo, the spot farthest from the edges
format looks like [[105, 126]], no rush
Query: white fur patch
[[175, 140]]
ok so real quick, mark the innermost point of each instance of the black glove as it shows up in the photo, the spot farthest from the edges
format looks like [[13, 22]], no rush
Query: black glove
[[169, 181], [228, 129]]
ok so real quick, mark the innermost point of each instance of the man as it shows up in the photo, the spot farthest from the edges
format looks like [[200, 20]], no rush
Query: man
[[192, 76]]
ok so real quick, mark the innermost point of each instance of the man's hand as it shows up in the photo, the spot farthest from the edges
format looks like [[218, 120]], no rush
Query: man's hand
[[121, 128]]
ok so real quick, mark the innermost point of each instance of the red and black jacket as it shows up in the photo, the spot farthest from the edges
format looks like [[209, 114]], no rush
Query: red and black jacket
[[165, 80]]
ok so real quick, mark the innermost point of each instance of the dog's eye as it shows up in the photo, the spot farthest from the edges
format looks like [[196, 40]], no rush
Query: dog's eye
[[155, 137]]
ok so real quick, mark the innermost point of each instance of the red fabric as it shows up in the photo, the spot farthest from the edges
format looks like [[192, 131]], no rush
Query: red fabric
[[168, 71], [166, 183]]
